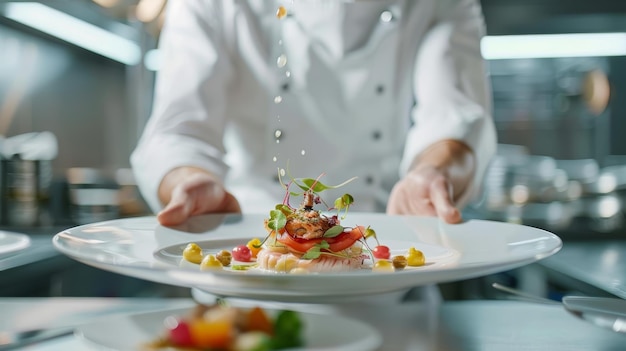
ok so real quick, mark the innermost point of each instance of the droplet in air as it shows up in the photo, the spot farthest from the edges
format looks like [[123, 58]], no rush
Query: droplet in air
[[282, 172], [274, 159], [277, 141], [278, 133], [280, 42], [278, 99], [302, 152], [281, 61], [288, 74], [281, 12]]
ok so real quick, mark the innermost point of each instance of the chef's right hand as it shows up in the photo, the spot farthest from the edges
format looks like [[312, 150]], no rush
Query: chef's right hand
[[190, 191]]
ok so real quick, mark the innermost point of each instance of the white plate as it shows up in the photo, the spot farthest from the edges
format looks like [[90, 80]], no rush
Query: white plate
[[321, 332], [141, 248], [12, 242]]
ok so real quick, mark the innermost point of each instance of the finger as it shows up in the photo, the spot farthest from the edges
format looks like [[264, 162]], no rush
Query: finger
[[231, 205], [441, 197], [177, 210]]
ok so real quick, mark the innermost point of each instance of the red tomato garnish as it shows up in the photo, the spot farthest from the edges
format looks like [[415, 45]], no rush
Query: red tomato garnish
[[336, 244], [180, 335], [381, 252], [242, 253]]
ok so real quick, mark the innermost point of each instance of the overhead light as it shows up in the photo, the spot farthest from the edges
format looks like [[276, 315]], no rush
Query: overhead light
[[74, 31], [553, 45]]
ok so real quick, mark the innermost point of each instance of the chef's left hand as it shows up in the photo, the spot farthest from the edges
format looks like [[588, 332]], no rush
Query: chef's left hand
[[424, 191]]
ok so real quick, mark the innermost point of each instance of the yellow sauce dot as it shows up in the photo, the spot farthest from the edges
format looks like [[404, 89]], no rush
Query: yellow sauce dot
[[210, 262], [415, 258], [193, 253], [383, 266], [281, 12]]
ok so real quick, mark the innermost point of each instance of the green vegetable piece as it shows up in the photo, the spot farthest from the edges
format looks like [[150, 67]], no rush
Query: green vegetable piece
[[288, 328], [315, 251], [277, 220], [333, 231]]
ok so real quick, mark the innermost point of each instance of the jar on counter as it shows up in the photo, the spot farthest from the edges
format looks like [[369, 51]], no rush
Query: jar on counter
[[94, 196], [25, 186]]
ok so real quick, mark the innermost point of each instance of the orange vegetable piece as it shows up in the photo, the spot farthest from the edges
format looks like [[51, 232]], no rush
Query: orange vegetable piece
[[258, 320], [213, 334], [251, 245]]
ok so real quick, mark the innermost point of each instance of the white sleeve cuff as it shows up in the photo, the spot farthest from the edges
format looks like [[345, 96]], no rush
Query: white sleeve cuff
[[158, 155]]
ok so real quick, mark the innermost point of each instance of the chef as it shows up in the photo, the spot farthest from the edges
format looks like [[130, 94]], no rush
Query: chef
[[392, 92]]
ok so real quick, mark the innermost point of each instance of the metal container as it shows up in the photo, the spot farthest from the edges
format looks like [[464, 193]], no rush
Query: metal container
[[94, 196], [25, 186]]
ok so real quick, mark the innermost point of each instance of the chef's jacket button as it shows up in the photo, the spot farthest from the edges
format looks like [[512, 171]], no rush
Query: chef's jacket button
[[285, 87], [380, 89], [376, 135], [369, 180], [386, 16]]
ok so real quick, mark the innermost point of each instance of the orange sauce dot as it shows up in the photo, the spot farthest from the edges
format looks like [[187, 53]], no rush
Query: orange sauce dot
[[281, 12]]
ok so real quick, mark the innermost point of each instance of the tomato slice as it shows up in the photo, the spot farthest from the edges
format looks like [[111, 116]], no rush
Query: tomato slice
[[336, 244]]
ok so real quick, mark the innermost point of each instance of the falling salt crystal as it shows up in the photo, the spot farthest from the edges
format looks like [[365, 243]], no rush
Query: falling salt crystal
[[274, 159], [280, 42], [302, 152], [281, 61], [278, 133], [282, 172], [277, 141], [288, 73], [278, 99]]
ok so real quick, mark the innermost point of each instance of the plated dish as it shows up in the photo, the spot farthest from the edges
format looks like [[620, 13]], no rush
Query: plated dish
[[319, 332], [140, 247], [12, 242]]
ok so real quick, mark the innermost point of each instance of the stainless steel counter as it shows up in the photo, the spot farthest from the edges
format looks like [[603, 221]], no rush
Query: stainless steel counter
[[600, 264]]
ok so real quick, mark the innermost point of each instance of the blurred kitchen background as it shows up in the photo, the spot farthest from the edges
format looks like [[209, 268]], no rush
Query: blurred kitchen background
[[76, 81]]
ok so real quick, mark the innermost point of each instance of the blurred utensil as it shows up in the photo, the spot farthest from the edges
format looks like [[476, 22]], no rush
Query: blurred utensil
[[604, 312], [12, 340]]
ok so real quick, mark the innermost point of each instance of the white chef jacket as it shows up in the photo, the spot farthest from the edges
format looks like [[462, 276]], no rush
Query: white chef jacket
[[361, 89]]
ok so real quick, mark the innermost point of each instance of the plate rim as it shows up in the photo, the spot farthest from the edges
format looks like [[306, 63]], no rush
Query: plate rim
[[465, 271], [23, 242]]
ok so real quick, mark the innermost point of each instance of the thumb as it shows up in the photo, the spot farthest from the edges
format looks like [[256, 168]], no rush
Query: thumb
[[177, 210]]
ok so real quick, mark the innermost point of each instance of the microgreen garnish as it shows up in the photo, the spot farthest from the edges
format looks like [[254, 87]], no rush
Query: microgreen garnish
[[333, 231], [315, 251], [284, 209], [343, 203], [316, 186], [369, 232], [277, 220]]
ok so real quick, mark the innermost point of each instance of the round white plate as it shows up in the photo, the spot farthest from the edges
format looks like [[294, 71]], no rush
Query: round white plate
[[321, 332], [12, 242], [141, 248]]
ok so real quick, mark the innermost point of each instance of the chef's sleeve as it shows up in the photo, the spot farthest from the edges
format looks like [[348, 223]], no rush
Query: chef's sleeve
[[452, 91], [188, 115]]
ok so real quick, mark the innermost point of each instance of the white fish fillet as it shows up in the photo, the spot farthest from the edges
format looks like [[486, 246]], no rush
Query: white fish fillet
[[286, 262]]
